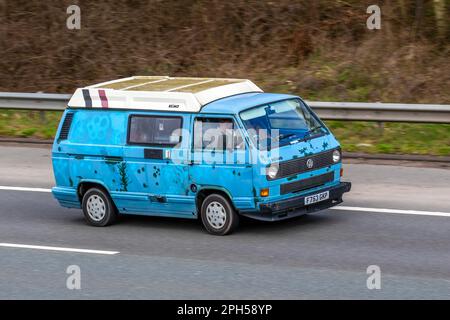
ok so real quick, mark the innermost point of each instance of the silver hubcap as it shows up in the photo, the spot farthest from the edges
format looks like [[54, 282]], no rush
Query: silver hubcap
[[216, 215], [96, 208]]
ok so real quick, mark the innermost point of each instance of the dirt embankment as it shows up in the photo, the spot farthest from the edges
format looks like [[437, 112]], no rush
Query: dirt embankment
[[321, 50]]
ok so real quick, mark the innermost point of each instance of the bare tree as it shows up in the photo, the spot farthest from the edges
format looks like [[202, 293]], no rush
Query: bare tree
[[439, 13]]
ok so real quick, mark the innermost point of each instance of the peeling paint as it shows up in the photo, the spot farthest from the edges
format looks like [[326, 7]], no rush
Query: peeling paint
[[302, 150], [122, 166]]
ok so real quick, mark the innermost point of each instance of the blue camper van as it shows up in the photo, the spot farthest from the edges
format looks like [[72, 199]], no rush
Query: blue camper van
[[207, 148]]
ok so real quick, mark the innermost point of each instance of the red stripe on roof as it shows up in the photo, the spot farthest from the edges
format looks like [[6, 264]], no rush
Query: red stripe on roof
[[103, 98]]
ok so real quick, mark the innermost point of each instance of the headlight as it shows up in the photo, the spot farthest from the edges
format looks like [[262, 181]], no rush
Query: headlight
[[272, 171], [336, 156]]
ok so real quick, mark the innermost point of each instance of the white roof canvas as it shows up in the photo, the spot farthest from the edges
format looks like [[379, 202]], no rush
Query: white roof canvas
[[161, 93]]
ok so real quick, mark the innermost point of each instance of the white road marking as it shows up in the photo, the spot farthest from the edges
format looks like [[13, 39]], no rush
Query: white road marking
[[25, 246], [25, 189], [360, 209], [379, 210]]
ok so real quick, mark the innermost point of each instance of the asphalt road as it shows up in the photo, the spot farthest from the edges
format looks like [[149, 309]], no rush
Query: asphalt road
[[322, 255]]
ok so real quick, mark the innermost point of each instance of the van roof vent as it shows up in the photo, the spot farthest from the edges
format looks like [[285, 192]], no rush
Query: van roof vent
[[65, 128], [161, 93]]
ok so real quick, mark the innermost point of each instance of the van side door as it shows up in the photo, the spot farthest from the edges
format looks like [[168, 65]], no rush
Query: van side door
[[157, 157]]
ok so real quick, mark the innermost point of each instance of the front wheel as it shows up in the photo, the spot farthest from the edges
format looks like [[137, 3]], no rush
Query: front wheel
[[98, 209], [218, 215]]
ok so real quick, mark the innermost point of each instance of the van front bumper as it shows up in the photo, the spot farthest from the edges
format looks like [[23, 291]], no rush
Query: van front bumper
[[293, 207]]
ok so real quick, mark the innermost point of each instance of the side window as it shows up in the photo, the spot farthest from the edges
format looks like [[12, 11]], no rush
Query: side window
[[216, 134], [239, 143], [154, 130], [98, 127]]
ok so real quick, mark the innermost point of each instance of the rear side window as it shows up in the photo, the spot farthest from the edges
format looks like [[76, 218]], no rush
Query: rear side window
[[154, 130]]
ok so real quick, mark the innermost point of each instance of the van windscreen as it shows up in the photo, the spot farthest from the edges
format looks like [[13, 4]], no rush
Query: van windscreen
[[280, 123]]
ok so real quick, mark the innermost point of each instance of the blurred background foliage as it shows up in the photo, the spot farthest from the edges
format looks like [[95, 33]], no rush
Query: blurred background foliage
[[320, 50]]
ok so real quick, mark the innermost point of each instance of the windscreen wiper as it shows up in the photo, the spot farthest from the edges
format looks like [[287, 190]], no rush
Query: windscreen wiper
[[308, 135], [285, 136], [315, 128], [311, 131]]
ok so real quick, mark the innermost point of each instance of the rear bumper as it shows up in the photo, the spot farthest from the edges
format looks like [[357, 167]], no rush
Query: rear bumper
[[293, 207], [67, 197]]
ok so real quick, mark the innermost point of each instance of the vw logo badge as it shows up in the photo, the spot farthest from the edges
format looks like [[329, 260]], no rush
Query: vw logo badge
[[309, 163]]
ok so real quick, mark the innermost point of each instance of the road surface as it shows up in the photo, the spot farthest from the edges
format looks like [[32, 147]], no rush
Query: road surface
[[396, 218]]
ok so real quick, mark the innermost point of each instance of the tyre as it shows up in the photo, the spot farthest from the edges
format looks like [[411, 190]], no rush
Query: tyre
[[218, 215], [98, 208]]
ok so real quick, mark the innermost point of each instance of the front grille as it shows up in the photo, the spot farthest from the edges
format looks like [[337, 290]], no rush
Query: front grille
[[307, 183], [294, 166], [65, 128]]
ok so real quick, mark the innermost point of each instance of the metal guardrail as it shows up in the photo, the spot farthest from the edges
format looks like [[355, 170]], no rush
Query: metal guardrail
[[346, 111], [34, 101], [382, 112]]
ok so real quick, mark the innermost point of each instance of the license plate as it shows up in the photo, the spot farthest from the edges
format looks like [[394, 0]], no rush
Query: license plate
[[317, 197]]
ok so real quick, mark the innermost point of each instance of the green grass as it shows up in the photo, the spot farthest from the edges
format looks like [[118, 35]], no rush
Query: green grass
[[394, 138], [29, 124], [368, 137]]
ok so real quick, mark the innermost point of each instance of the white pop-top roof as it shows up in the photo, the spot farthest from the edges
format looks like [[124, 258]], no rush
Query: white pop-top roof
[[159, 93]]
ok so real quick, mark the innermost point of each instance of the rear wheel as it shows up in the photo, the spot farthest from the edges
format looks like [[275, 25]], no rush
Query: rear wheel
[[218, 215], [98, 208]]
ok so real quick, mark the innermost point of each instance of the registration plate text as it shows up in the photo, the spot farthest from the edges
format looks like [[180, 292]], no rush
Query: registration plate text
[[317, 197]]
